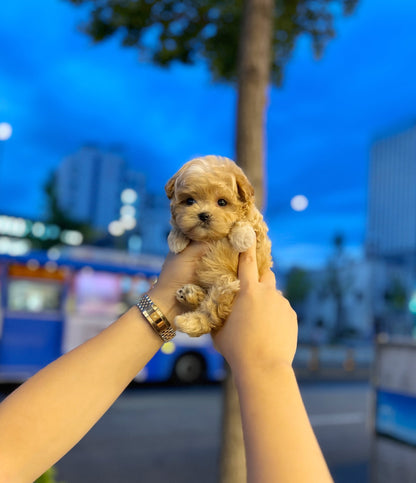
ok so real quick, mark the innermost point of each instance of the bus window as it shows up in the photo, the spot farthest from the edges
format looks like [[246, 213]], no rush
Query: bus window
[[97, 293], [33, 296]]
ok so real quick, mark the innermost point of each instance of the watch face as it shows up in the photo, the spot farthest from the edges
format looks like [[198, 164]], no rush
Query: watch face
[[154, 316]]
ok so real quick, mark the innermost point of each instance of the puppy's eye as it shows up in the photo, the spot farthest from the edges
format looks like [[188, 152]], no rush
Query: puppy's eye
[[189, 201], [222, 202]]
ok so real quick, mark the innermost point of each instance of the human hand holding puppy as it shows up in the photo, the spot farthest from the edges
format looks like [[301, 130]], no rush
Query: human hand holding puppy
[[259, 343], [261, 332], [176, 270]]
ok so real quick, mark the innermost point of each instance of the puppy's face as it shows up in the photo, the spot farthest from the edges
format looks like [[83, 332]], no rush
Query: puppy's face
[[206, 198]]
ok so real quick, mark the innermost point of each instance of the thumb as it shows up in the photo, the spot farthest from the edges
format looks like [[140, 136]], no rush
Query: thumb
[[247, 267]]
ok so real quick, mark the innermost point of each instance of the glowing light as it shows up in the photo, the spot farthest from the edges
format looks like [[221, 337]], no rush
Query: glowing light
[[128, 210], [299, 203], [13, 247], [5, 131], [72, 237], [128, 196], [116, 228], [128, 222], [10, 225], [412, 304], [34, 302], [168, 347], [38, 229]]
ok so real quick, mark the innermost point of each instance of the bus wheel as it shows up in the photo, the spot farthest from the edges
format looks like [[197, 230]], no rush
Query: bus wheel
[[189, 369]]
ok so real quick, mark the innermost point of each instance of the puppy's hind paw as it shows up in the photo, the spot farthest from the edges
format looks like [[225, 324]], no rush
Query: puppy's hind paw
[[190, 295], [192, 323]]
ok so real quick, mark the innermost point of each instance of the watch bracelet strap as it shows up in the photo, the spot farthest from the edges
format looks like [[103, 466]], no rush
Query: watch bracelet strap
[[155, 317]]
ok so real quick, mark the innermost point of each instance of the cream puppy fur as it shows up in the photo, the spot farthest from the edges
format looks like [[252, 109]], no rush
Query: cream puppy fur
[[212, 201]]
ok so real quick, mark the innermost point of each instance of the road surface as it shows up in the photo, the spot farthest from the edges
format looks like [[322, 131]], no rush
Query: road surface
[[172, 434]]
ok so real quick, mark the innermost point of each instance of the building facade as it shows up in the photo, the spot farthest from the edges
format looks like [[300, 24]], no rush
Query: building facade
[[391, 229], [379, 292], [154, 223], [89, 184], [95, 186]]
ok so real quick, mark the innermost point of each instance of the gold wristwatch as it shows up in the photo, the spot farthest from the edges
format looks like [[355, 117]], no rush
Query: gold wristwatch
[[156, 319]]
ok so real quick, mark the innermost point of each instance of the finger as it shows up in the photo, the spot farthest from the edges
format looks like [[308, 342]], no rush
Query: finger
[[196, 249], [268, 278], [247, 266], [192, 252]]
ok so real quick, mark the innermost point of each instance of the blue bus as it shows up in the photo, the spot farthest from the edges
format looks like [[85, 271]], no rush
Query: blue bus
[[50, 302]]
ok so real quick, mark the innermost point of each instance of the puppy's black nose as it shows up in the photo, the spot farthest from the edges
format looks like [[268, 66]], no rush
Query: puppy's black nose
[[204, 217]]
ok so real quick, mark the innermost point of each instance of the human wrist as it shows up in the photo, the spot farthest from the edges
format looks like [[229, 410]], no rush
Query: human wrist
[[166, 301], [155, 317], [251, 374]]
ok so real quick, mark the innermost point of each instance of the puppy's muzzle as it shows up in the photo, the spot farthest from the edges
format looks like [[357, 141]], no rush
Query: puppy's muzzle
[[204, 217]]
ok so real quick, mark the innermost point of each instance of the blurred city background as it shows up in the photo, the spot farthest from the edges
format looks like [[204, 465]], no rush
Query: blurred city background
[[89, 134]]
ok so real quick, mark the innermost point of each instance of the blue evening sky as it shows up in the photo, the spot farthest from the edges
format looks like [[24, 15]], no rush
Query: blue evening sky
[[58, 91]]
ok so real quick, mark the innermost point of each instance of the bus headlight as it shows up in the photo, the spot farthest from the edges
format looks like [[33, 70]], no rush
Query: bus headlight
[[168, 347]]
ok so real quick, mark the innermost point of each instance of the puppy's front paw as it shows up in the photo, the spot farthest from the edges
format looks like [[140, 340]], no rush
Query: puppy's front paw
[[191, 295], [177, 241], [242, 236]]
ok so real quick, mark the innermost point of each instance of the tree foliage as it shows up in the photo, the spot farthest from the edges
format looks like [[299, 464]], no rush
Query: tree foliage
[[188, 31]]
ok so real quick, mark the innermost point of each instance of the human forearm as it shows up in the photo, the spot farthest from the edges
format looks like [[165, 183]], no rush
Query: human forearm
[[53, 410], [280, 442]]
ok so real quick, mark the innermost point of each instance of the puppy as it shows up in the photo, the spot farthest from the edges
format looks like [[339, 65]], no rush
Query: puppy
[[212, 201]]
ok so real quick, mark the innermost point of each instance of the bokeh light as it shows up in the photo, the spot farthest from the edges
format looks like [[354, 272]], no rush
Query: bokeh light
[[115, 228], [412, 304], [299, 203], [5, 131], [128, 196]]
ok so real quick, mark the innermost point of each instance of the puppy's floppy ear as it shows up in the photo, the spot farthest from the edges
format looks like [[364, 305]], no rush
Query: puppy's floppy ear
[[244, 188], [170, 186]]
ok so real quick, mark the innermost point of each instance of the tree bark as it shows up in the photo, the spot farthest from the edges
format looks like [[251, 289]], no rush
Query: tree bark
[[233, 461], [253, 80]]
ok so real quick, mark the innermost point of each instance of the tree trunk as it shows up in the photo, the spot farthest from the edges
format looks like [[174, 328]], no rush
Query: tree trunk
[[253, 81], [233, 461]]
